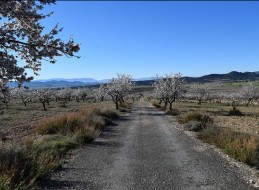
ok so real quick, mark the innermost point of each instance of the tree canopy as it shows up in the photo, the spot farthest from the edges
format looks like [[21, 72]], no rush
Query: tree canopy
[[22, 38]]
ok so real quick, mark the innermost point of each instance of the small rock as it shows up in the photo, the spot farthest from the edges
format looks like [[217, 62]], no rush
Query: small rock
[[251, 181]]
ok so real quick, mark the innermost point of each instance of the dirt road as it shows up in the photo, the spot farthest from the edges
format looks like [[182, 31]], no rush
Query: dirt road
[[144, 151]]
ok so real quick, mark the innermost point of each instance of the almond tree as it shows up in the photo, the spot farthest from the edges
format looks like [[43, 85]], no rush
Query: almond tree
[[248, 93], [170, 88], [200, 92], [160, 90], [101, 93], [44, 96], [24, 94], [22, 37], [79, 94], [120, 87]]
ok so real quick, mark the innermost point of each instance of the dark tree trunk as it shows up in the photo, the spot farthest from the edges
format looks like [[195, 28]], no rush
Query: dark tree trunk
[[44, 106], [117, 105]]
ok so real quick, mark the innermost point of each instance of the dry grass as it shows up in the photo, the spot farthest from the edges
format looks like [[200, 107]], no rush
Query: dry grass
[[241, 146], [21, 166], [83, 125], [248, 122]]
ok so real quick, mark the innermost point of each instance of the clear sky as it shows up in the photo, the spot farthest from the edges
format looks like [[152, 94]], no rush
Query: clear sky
[[148, 38]]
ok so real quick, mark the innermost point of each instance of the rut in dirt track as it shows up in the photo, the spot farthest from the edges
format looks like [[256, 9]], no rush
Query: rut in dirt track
[[144, 151]]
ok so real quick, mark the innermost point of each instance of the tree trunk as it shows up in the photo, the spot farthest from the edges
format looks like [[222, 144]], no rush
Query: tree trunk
[[170, 106], [249, 100], [44, 107], [166, 104], [117, 105]]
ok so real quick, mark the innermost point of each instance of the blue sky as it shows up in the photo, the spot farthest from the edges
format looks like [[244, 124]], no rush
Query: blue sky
[[148, 38]]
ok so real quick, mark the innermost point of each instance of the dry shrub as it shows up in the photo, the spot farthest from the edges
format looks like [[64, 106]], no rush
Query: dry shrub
[[241, 146], [196, 121], [94, 117], [156, 104], [234, 112], [173, 112], [126, 105]]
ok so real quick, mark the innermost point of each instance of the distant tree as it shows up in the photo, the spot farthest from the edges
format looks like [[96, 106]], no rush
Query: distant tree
[[101, 93], [22, 38], [79, 94], [24, 94], [44, 96], [169, 88], [200, 92], [120, 87], [249, 92]]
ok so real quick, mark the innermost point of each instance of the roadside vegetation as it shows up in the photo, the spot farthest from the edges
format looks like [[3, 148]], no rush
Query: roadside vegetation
[[22, 166]]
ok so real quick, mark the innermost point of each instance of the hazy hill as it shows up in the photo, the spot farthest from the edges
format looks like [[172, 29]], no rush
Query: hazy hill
[[232, 76], [60, 82]]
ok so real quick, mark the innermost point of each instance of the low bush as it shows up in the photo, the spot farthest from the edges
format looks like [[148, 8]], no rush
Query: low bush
[[193, 126], [196, 121], [241, 146], [234, 112], [156, 104], [173, 112]]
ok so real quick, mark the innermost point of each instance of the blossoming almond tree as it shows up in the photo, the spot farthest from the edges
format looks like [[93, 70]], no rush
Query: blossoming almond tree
[[22, 37], [169, 88], [119, 88]]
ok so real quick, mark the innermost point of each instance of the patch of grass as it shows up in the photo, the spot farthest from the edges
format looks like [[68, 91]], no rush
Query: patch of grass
[[17, 168], [241, 146], [20, 168], [83, 124], [196, 121]]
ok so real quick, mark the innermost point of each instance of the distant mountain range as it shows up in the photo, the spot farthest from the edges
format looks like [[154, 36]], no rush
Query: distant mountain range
[[75, 82], [232, 76]]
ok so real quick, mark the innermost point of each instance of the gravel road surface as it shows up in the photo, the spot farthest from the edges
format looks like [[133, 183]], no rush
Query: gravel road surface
[[144, 151]]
